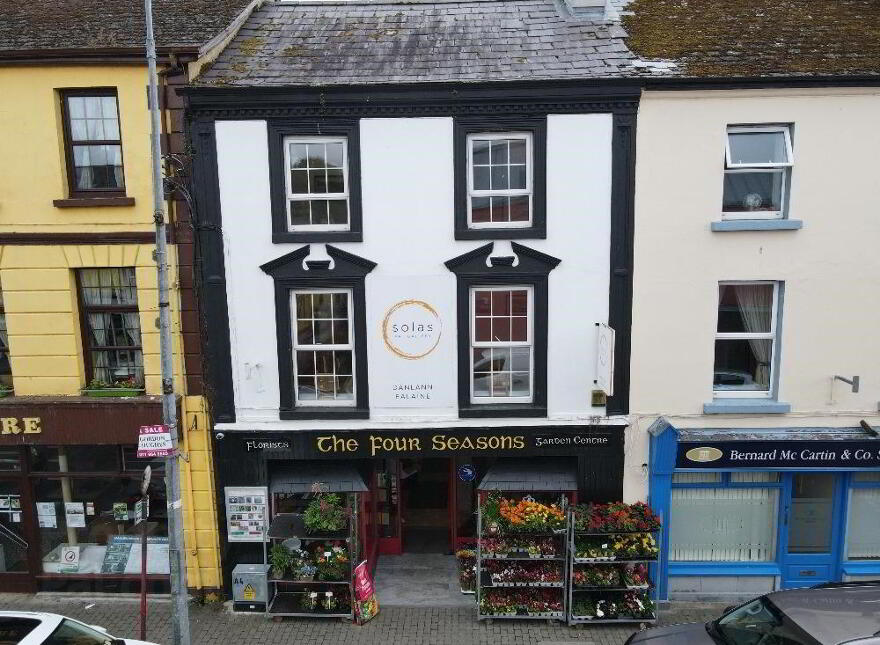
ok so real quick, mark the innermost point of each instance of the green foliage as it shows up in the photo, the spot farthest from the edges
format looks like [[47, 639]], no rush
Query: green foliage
[[281, 560], [325, 513]]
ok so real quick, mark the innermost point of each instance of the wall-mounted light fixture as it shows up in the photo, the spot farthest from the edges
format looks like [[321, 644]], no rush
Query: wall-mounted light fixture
[[854, 382]]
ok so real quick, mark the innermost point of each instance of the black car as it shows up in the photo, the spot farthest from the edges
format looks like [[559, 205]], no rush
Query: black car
[[830, 614]]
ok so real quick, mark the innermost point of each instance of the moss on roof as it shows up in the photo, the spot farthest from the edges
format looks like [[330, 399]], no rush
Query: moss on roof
[[737, 38]]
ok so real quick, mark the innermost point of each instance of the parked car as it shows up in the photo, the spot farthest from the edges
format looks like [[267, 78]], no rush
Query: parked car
[[829, 614], [37, 628]]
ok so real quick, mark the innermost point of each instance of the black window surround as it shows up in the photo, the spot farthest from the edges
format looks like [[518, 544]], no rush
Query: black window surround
[[278, 131], [289, 274], [469, 125], [471, 270]]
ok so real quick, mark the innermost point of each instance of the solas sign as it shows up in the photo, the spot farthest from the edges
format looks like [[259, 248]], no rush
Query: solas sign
[[411, 329]]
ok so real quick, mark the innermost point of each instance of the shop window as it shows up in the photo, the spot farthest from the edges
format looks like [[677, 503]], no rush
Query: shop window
[[111, 326], [746, 339], [93, 145], [13, 547], [501, 344], [757, 172], [753, 477], [5, 366], [500, 177], [863, 523], [10, 459], [696, 478], [96, 514], [132, 464], [723, 523], [75, 459], [323, 349]]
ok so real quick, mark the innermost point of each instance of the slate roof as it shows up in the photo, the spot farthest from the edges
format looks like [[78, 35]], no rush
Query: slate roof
[[396, 42], [65, 25], [758, 38]]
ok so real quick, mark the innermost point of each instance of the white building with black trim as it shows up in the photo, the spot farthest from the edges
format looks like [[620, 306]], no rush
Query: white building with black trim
[[415, 234]]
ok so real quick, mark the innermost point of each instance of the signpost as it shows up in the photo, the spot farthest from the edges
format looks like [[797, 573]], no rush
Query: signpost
[[141, 513]]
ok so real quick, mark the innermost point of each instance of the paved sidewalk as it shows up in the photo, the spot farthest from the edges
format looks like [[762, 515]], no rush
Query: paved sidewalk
[[394, 625]]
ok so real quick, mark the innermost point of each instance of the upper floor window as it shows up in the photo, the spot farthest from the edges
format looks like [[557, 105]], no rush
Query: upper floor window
[[93, 145], [500, 165], [323, 347], [5, 367], [501, 345], [111, 326], [757, 172], [500, 180], [746, 338], [317, 183]]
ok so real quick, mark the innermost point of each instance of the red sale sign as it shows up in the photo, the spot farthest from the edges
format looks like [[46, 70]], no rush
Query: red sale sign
[[154, 441], [366, 603]]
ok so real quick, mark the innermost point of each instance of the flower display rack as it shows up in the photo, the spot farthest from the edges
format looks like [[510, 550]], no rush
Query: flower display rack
[[610, 550], [521, 556], [305, 594]]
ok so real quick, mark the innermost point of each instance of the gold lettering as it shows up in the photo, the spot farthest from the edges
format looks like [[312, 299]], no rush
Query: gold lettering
[[322, 440], [437, 442], [494, 442], [518, 442], [481, 443], [351, 445], [506, 443], [415, 444], [466, 443], [375, 444], [452, 443], [399, 444], [31, 425], [10, 425]]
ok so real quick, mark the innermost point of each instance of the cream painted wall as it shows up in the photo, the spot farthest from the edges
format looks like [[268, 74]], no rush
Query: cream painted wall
[[33, 150], [831, 267]]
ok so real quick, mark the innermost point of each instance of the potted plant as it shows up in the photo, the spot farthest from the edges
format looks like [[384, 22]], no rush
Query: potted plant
[[331, 561], [280, 559], [325, 514], [310, 601], [128, 387], [6, 390]]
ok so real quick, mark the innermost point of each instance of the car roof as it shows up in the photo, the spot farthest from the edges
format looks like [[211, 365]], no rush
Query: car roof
[[833, 614]]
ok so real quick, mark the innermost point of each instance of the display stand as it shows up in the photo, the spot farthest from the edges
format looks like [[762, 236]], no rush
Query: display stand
[[615, 596], [523, 552], [291, 597]]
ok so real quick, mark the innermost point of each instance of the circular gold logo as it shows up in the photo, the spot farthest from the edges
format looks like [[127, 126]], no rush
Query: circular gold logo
[[703, 454], [411, 329]]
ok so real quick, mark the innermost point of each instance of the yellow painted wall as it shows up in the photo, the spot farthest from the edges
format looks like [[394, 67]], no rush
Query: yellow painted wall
[[32, 168], [38, 284]]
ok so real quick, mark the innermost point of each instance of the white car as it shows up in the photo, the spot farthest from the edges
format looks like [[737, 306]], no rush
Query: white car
[[37, 628]]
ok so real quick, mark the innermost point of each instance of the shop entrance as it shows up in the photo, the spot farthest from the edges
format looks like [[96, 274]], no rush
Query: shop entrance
[[812, 537], [425, 516]]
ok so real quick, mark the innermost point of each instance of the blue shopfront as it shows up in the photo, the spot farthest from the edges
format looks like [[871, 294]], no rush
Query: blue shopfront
[[754, 510]]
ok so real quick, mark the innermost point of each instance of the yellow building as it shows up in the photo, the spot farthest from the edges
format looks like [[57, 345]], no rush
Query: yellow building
[[79, 344]]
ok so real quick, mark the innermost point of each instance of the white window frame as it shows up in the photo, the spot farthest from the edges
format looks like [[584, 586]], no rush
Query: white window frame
[[772, 335], [529, 342], [305, 197], [783, 168], [518, 192], [314, 347]]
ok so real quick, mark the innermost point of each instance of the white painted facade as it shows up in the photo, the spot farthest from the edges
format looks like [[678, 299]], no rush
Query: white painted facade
[[407, 188], [830, 267]]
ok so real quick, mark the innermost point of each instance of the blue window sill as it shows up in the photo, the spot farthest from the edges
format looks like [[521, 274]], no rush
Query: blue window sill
[[724, 569], [746, 406], [857, 568], [757, 225]]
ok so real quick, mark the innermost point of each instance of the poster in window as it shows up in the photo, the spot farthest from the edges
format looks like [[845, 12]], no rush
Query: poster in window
[[246, 513], [74, 515], [46, 517]]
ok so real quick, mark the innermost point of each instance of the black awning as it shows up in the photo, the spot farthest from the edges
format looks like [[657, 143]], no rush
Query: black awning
[[316, 477], [536, 474]]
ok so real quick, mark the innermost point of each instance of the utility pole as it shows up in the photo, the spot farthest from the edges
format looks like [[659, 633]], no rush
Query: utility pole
[[176, 554]]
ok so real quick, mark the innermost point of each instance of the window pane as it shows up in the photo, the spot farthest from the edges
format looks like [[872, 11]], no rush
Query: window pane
[[344, 388], [517, 151], [500, 209], [480, 154], [863, 527], [338, 211], [500, 303], [299, 213], [340, 332], [323, 332], [335, 182], [518, 177], [752, 191], [499, 178], [481, 178], [305, 390], [305, 362], [317, 155], [320, 213], [10, 459], [812, 504], [501, 360], [326, 387], [298, 155], [519, 208], [500, 329], [324, 362], [483, 303], [520, 359], [742, 364], [343, 362], [481, 384], [499, 152], [750, 477], [483, 330], [318, 181], [299, 182], [719, 524], [757, 147], [745, 308], [334, 155], [866, 477], [501, 384], [97, 167], [519, 302], [480, 210], [519, 384], [304, 334], [83, 459], [304, 305], [519, 328], [322, 303], [696, 478], [340, 305]]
